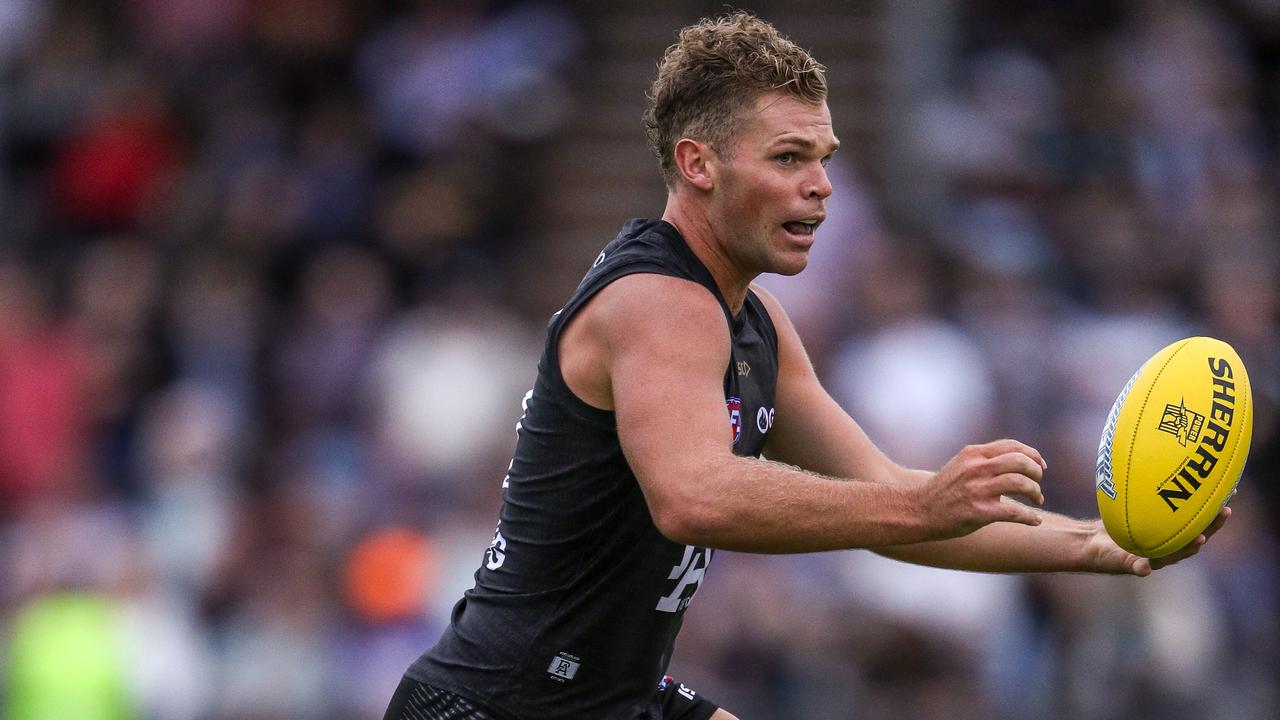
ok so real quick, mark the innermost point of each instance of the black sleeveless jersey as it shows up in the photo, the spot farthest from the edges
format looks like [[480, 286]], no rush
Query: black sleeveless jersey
[[578, 599]]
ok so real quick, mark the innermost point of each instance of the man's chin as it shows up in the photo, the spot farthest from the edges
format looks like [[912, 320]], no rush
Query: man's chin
[[792, 265]]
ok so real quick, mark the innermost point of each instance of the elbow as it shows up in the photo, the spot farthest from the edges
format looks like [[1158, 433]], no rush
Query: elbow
[[695, 503], [688, 520], [685, 528]]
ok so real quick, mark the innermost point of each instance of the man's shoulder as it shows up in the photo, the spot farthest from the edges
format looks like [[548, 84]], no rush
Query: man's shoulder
[[646, 268], [641, 238], [769, 302], [651, 297]]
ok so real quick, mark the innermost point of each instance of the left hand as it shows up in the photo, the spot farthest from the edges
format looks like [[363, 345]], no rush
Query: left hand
[[1108, 557]]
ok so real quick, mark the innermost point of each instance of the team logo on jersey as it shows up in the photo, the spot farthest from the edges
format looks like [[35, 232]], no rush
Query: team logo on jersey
[[734, 405]]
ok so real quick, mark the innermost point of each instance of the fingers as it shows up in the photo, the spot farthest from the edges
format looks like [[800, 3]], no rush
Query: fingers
[[1191, 549], [1020, 485], [1194, 546], [997, 448], [1218, 522], [1014, 462], [1013, 511], [1015, 472], [976, 486], [1141, 566]]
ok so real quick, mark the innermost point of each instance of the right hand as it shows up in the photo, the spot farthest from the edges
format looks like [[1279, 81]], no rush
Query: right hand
[[969, 491]]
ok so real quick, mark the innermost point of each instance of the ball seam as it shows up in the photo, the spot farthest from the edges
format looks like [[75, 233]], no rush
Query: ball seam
[[1128, 526]]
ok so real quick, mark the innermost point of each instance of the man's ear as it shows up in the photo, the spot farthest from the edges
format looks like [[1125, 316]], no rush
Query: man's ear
[[695, 163]]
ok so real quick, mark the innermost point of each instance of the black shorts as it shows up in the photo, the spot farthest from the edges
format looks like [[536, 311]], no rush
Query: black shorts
[[415, 700], [682, 703]]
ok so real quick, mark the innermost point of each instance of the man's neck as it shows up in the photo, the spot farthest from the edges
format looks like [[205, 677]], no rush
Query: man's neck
[[705, 240]]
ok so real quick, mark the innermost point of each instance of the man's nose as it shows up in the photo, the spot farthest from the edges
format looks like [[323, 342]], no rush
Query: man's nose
[[821, 184]]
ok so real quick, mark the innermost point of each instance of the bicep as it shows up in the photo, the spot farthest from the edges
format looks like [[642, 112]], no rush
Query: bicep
[[667, 350]]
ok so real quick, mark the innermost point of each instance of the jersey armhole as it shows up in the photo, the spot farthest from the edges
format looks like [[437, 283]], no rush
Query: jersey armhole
[[772, 334], [580, 298]]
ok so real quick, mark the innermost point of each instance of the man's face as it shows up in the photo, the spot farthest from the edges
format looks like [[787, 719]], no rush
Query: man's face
[[772, 188]]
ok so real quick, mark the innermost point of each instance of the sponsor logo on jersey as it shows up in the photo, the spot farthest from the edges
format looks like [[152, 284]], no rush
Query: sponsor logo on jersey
[[764, 420], [743, 368], [734, 405], [564, 666]]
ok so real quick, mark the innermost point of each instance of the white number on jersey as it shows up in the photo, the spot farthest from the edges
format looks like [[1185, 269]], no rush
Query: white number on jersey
[[524, 410], [497, 553], [690, 571]]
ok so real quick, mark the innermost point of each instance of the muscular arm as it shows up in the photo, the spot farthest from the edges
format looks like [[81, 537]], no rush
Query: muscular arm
[[654, 350], [1059, 543], [813, 431]]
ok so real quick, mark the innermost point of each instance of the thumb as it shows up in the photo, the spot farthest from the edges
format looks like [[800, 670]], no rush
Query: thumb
[[1139, 566]]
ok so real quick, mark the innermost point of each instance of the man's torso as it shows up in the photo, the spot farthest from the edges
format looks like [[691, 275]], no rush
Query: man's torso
[[578, 600]]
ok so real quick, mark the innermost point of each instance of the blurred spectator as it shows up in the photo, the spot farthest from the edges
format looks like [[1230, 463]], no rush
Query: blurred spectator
[[191, 452], [214, 328], [44, 396], [278, 614], [453, 69], [389, 577], [320, 353], [67, 659], [105, 170], [441, 433], [115, 293]]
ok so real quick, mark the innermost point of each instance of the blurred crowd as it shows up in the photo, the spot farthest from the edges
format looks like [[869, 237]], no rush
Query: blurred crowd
[[265, 326]]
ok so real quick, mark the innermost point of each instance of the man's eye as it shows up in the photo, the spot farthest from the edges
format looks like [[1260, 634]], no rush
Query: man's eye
[[786, 158], [826, 161]]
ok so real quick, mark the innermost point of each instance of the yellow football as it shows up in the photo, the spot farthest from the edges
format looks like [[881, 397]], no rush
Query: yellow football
[[1174, 446]]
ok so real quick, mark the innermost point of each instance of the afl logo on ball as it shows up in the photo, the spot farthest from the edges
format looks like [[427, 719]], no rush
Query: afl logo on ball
[[734, 406], [1181, 423]]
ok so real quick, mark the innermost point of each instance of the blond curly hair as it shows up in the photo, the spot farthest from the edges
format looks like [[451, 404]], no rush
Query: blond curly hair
[[715, 69]]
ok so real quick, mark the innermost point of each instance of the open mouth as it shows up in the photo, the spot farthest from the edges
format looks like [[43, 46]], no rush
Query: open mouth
[[800, 227]]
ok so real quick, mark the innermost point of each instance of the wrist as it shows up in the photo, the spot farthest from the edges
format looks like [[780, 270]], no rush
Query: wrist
[[919, 515], [1090, 546]]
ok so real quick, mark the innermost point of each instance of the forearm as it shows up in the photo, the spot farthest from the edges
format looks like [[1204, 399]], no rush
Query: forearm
[[752, 505], [1058, 544]]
